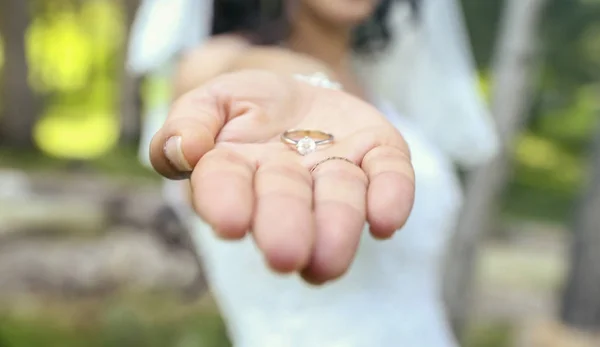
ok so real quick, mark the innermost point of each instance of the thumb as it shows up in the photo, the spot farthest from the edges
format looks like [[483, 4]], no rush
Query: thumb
[[188, 133], [198, 117]]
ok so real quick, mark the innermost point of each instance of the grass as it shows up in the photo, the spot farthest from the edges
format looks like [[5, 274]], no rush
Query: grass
[[120, 162], [151, 321], [492, 334], [132, 321]]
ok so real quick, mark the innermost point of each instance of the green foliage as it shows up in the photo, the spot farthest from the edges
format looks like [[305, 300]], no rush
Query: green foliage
[[497, 334], [544, 164], [550, 157], [118, 163], [568, 41], [74, 63], [483, 19], [69, 47], [522, 201], [1, 53], [574, 125], [550, 160], [141, 321]]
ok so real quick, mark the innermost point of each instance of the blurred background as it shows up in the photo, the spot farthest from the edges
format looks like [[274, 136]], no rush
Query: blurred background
[[90, 256]]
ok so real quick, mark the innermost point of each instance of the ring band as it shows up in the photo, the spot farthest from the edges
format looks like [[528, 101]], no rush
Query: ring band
[[306, 141], [331, 158]]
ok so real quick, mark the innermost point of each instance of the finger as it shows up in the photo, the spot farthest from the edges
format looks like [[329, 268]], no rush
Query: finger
[[283, 223], [198, 117], [390, 195], [188, 133], [339, 203], [222, 192]]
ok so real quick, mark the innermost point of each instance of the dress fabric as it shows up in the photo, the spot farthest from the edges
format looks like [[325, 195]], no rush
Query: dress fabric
[[391, 295]]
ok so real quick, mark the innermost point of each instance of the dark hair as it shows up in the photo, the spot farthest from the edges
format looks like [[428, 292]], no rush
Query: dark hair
[[265, 22]]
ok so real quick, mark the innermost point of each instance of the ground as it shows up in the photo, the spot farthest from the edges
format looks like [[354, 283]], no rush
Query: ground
[[79, 266]]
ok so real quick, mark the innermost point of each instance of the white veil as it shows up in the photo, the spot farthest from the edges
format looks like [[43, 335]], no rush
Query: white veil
[[162, 28], [435, 82], [434, 78], [160, 31]]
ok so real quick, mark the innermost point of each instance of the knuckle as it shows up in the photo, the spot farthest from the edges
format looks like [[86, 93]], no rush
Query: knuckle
[[227, 155], [196, 100], [286, 168], [388, 138], [341, 172], [347, 191], [186, 123], [388, 159], [223, 161], [283, 177]]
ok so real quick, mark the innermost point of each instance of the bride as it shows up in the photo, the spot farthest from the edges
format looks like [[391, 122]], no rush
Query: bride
[[370, 292]]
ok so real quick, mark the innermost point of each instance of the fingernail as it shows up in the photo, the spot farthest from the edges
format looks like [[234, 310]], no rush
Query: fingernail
[[174, 154]]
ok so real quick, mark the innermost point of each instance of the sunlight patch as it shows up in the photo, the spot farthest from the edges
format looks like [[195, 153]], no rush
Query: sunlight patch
[[68, 133]]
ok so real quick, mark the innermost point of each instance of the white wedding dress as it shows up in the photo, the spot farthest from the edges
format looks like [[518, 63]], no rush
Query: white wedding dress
[[391, 295]]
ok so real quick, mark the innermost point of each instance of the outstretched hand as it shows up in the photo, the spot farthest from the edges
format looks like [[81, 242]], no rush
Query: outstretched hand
[[225, 136]]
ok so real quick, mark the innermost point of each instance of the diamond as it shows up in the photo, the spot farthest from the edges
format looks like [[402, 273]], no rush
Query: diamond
[[306, 145]]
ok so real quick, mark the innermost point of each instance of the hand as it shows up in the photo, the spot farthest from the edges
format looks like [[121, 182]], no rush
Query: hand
[[225, 136]]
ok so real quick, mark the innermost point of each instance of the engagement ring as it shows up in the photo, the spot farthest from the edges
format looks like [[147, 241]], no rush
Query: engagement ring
[[306, 141], [331, 158]]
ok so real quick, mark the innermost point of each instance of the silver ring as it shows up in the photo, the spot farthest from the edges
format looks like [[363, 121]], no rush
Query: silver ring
[[306, 141], [331, 158]]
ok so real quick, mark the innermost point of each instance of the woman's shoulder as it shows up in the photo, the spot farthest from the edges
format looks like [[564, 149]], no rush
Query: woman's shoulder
[[210, 59], [226, 53], [215, 51]]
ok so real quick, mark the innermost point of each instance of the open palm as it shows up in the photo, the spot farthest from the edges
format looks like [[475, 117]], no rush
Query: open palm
[[226, 134]]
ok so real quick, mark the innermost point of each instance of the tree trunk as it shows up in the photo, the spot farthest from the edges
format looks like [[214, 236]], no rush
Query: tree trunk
[[130, 102], [581, 298], [18, 100], [512, 86]]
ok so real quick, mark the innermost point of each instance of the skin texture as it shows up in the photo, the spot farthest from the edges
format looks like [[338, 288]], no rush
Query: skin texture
[[233, 102], [245, 178], [339, 12]]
